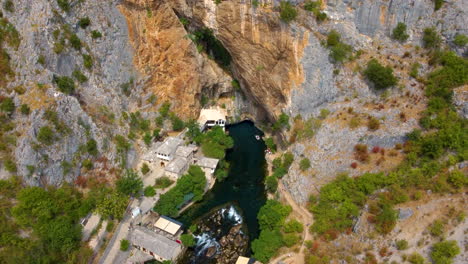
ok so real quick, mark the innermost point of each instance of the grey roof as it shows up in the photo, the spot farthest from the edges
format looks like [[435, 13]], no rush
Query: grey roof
[[177, 165], [156, 243], [150, 155], [184, 151], [208, 163], [169, 146]]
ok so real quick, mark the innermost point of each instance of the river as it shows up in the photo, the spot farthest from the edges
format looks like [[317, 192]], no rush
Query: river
[[241, 194]]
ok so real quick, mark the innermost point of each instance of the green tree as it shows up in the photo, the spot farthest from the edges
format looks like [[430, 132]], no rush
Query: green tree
[[129, 184], [84, 22], [145, 168], [91, 147], [64, 5], [272, 215], [149, 191], [271, 184], [293, 226], [7, 105], [267, 244], [382, 77], [65, 84], [444, 252], [402, 244], [431, 39], [112, 204], [399, 32], [415, 258], [304, 164], [24, 109], [460, 40], [215, 143], [287, 11]]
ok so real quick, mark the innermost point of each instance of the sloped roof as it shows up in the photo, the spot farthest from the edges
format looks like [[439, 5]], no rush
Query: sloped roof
[[208, 163], [169, 146], [177, 165], [156, 243], [184, 151], [167, 224]]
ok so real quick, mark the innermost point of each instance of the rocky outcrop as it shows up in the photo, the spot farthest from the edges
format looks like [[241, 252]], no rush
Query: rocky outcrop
[[175, 70]]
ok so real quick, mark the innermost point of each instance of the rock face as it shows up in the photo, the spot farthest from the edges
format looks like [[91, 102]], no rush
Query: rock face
[[169, 60]]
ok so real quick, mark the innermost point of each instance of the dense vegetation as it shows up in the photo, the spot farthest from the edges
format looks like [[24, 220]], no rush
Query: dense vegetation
[[441, 144], [214, 143], [339, 51], [271, 218], [287, 11], [382, 77], [399, 32], [315, 7], [193, 182]]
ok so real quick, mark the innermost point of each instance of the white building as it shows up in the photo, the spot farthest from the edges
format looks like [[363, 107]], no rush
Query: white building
[[166, 151], [212, 117]]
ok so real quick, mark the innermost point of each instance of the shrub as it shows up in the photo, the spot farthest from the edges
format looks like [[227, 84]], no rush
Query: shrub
[[7, 105], [188, 240], [339, 51], [177, 123], [46, 135], [314, 7], [415, 70], [110, 226], [149, 191], [287, 11], [65, 84], [84, 22], [87, 164], [373, 124], [443, 252], [163, 182], [382, 77], [415, 258], [354, 122], [360, 153], [437, 228], [438, 4], [145, 169], [293, 226], [87, 61], [457, 179], [129, 184], [399, 32], [91, 147], [124, 245], [290, 239], [24, 109], [430, 38], [304, 164], [79, 76], [282, 122], [10, 166], [324, 113], [460, 40], [402, 244], [96, 34], [75, 42], [269, 142], [9, 6], [64, 5]]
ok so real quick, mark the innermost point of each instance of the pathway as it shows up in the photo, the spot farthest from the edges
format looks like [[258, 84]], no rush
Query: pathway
[[306, 218]]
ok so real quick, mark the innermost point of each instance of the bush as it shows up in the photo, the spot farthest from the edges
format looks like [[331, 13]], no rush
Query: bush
[[287, 11], [65, 84], [339, 50], [84, 22], [7, 105], [291, 239], [293, 226], [457, 179], [145, 169], [10, 166], [88, 164], [149, 191], [304, 164], [399, 32], [163, 182], [87, 61], [188, 240], [361, 153], [382, 77], [460, 40], [46, 135], [267, 244], [75, 42], [430, 38], [9, 6], [443, 252], [402, 244], [64, 5], [79, 76], [373, 124], [177, 123], [96, 34], [437, 228], [281, 122], [124, 245], [270, 143], [91, 147], [415, 258], [438, 4], [24, 109]]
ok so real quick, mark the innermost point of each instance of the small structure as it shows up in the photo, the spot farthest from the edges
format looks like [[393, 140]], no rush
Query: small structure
[[158, 246], [177, 167], [168, 225], [244, 260], [185, 152], [167, 149], [212, 117], [208, 165], [136, 212]]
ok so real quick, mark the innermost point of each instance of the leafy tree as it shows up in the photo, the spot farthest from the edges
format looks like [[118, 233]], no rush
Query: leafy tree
[[112, 204], [431, 39], [65, 84], [46, 135], [339, 50], [272, 215], [188, 240], [382, 77], [215, 143], [163, 182], [399, 32], [267, 244], [124, 245], [290, 240], [304, 164], [177, 123], [84, 22], [287, 11], [282, 122], [129, 184], [271, 184], [443, 252], [149, 191], [164, 109], [293, 226], [64, 5]]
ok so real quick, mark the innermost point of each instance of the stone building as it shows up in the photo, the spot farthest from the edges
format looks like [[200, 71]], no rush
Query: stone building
[[156, 245]]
